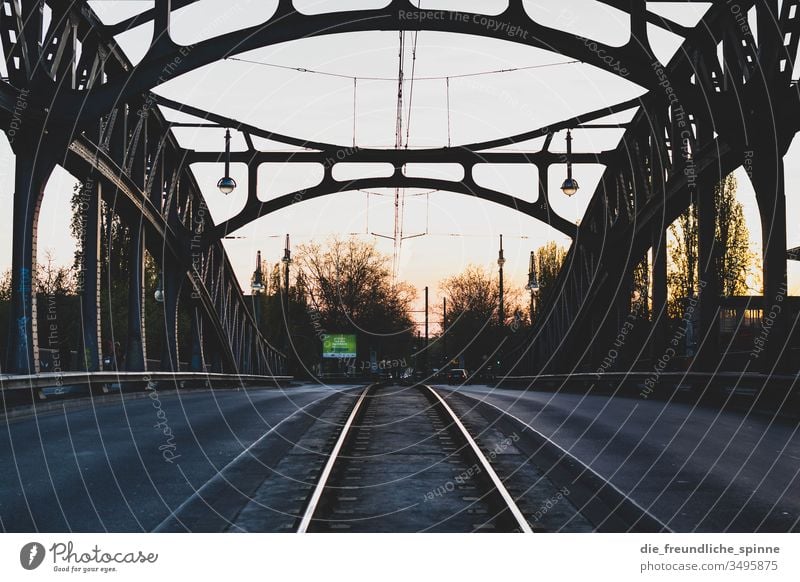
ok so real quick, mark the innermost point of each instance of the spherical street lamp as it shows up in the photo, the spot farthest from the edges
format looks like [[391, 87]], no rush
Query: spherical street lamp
[[159, 292], [570, 185], [227, 184]]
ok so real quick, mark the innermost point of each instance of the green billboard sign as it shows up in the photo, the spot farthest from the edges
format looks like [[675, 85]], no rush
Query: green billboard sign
[[339, 345]]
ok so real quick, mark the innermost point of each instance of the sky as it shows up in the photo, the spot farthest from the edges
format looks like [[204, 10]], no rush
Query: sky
[[457, 230]]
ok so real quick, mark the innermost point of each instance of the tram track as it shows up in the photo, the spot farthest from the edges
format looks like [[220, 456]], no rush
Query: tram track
[[404, 462], [403, 459]]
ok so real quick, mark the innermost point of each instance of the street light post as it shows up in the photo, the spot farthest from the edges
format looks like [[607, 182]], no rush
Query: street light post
[[287, 260], [426, 360], [501, 312], [257, 286], [533, 282]]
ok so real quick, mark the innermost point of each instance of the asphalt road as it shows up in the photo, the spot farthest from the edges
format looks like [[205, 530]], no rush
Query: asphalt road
[[695, 468], [123, 465]]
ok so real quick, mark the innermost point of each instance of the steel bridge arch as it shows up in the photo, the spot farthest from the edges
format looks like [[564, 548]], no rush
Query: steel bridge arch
[[693, 105], [255, 209], [167, 60]]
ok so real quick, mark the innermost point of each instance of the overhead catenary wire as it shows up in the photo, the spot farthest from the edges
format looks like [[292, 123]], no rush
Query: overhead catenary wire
[[317, 235], [386, 195], [394, 79], [400, 143]]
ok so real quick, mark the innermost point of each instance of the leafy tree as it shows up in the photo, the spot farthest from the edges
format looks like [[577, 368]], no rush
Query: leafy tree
[[114, 275], [682, 274], [737, 261], [549, 260], [641, 287], [733, 259]]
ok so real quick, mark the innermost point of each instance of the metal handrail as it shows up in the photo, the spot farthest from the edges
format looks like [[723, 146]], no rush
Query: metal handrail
[[56, 379]]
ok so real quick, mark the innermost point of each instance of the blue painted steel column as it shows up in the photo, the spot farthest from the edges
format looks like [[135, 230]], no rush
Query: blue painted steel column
[[33, 168]]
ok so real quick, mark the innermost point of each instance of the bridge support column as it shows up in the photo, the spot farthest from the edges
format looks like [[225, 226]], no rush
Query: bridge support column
[[623, 317], [768, 180], [89, 276], [709, 282], [659, 280], [33, 168], [136, 350], [172, 285], [248, 351], [198, 363], [216, 357]]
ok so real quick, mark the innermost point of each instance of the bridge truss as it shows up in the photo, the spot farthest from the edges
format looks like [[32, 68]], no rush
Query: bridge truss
[[726, 99]]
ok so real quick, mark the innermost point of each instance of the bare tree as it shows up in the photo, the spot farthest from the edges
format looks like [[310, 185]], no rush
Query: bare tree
[[54, 280], [473, 298], [348, 284]]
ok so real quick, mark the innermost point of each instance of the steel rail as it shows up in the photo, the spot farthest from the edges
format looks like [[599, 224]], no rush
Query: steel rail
[[584, 468], [313, 503], [221, 478], [486, 466]]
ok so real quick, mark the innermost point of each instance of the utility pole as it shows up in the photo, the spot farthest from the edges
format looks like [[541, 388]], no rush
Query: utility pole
[[444, 330], [501, 312], [426, 329], [501, 261]]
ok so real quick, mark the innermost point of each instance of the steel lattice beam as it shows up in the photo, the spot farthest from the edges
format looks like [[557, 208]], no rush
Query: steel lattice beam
[[700, 118]]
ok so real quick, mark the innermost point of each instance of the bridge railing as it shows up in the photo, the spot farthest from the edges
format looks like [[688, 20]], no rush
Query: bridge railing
[[22, 389]]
